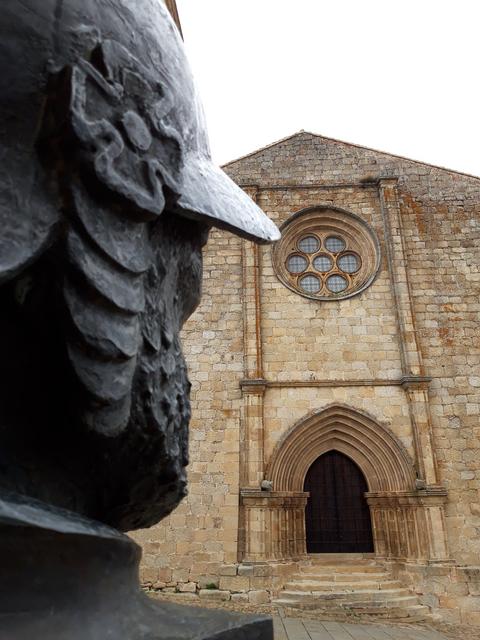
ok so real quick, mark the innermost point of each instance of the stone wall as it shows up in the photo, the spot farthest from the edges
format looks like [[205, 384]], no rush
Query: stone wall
[[374, 352], [452, 592], [440, 223], [237, 582], [202, 533]]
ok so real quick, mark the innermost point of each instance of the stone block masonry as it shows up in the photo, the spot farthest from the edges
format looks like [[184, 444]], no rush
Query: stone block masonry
[[403, 356], [239, 582]]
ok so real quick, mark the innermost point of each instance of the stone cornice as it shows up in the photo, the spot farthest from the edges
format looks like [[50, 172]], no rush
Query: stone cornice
[[415, 382], [258, 385], [372, 182], [253, 498], [248, 492], [363, 184], [431, 491], [255, 386]]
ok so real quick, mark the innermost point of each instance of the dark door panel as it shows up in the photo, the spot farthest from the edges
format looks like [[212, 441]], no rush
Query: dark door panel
[[337, 516]]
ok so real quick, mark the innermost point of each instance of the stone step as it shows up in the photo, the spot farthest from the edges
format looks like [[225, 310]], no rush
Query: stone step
[[412, 613], [329, 585], [343, 577], [342, 568], [400, 602], [355, 606], [362, 596], [340, 559], [346, 557], [347, 586]]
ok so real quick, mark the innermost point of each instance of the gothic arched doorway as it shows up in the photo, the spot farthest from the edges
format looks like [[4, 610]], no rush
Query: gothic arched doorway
[[337, 516]]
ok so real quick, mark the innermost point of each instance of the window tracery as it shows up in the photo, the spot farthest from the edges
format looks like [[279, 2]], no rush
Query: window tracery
[[326, 254]]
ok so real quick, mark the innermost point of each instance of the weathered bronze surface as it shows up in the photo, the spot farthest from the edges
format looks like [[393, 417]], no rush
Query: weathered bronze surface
[[64, 577], [107, 195]]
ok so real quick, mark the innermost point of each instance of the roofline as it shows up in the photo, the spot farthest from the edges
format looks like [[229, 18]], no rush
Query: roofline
[[267, 146], [350, 144]]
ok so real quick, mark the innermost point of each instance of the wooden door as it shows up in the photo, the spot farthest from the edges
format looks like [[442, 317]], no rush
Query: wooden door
[[337, 516]]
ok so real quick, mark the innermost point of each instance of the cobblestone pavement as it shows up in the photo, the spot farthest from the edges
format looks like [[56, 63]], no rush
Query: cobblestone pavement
[[303, 629]]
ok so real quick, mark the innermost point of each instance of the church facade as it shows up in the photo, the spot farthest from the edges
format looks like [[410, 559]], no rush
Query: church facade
[[336, 388]]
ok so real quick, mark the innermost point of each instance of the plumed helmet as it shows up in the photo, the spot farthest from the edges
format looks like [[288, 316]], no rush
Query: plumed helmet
[[131, 103]]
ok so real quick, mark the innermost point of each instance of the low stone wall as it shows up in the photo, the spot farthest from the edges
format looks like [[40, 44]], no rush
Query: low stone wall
[[247, 583], [452, 592]]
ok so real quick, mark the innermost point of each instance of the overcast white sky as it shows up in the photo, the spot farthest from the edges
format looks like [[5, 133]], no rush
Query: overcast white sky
[[401, 76]]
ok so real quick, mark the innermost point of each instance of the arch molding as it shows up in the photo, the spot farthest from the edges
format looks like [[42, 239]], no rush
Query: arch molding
[[382, 458]]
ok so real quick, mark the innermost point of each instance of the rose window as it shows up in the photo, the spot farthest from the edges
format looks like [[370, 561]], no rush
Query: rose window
[[329, 265], [327, 254]]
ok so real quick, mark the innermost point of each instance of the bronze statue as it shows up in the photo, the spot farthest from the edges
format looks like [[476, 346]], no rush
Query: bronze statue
[[107, 195]]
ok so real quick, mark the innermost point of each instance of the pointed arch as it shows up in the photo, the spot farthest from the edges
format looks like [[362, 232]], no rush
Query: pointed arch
[[381, 457]]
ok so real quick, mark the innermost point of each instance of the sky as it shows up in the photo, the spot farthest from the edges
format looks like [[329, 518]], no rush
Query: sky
[[398, 76]]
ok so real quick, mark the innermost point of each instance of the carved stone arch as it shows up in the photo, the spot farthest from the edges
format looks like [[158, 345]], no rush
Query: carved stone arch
[[408, 523], [385, 463]]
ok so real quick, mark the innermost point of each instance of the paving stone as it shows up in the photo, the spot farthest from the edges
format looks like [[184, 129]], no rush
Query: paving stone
[[295, 629], [305, 629], [337, 631], [357, 632], [279, 632]]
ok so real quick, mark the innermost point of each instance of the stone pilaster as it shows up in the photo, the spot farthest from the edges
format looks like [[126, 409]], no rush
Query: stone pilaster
[[417, 394], [253, 387], [414, 381], [251, 433], [409, 525], [274, 525]]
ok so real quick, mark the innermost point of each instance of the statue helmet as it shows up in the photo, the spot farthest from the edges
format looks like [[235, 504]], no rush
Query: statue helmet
[[131, 102]]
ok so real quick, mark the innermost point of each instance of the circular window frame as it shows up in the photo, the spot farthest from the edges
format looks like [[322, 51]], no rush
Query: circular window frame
[[322, 254], [296, 273], [336, 236], [323, 221], [304, 237], [349, 252]]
